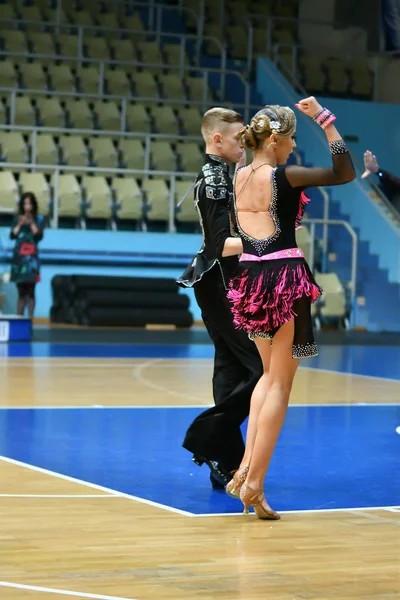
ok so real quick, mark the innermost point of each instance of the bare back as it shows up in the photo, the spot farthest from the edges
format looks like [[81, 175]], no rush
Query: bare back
[[253, 196]]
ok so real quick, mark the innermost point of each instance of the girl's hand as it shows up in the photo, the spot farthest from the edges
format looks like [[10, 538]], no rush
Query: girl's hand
[[309, 106]]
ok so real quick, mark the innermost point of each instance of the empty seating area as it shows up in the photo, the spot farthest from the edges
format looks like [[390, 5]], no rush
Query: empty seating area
[[92, 200], [336, 76], [91, 150], [275, 31], [108, 115], [70, 78], [91, 196], [89, 13]]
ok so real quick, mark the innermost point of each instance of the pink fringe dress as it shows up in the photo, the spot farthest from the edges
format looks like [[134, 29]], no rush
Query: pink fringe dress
[[274, 283]]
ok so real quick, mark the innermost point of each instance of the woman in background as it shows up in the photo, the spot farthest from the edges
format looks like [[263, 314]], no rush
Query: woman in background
[[27, 230]]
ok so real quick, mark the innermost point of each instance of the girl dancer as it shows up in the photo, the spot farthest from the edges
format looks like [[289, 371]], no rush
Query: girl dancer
[[272, 292]]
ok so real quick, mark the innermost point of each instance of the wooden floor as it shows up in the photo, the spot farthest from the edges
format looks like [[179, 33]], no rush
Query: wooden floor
[[59, 538]]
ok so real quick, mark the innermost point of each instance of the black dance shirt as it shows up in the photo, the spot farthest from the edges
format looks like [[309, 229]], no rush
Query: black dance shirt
[[213, 197]]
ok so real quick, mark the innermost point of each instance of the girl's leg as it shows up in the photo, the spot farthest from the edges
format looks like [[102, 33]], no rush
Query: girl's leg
[[257, 399], [273, 411]]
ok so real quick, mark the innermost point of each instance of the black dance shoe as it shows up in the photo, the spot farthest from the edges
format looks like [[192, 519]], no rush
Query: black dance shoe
[[219, 476]]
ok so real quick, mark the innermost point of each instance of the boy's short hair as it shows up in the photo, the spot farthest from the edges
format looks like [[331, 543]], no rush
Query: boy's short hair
[[216, 119]]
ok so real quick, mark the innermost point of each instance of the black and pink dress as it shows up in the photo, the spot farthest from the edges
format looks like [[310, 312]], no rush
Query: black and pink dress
[[274, 283]]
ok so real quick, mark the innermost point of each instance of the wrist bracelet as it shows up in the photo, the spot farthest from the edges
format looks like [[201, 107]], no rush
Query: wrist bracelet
[[324, 118], [338, 147], [331, 119], [315, 117]]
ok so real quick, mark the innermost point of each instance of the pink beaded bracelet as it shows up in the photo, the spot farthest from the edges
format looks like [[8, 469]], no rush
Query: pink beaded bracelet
[[324, 118], [322, 115], [329, 121]]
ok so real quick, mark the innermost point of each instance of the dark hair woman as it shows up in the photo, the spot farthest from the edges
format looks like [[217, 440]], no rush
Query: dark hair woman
[[27, 230]]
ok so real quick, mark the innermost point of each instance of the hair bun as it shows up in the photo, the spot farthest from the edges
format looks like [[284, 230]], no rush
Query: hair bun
[[249, 139], [273, 119]]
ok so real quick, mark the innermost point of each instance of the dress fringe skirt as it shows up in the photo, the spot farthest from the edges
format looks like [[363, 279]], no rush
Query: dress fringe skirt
[[264, 295]]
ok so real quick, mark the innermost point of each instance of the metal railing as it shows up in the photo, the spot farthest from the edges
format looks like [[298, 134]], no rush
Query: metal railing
[[128, 34], [146, 137], [293, 71], [182, 68], [354, 254], [384, 199], [124, 100], [223, 73], [106, 171], [155, 15]]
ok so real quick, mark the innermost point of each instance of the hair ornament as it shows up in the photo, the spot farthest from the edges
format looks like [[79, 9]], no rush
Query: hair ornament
[[275, 126]]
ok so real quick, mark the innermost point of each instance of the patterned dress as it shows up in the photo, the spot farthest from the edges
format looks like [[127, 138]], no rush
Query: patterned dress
[[25, 266]]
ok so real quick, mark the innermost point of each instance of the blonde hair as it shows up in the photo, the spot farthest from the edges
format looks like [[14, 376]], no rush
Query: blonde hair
[[216, 119], [272, 119]]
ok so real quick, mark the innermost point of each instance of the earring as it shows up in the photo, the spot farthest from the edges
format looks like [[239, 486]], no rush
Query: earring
[[272, 144]]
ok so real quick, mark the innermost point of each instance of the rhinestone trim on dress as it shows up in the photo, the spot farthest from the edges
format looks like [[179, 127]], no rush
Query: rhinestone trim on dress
[[305, 351], [261, 245], [261, 334], [299, 351]]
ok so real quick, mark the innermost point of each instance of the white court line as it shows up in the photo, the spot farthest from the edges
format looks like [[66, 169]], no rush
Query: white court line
[[376, 518], [299, 512], [349, 373], [34, 588], [177, 510], [100, 406], [165, 362], [139, 376], [60, 363], [188, 406], [58, 496], [395, 510], [95, 486]]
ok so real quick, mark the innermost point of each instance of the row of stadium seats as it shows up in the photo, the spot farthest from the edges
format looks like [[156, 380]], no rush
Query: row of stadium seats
[[83, 114], [110, 15], [239, 10], [95, 197], [236, 39], [103, 152], [321, 74], [336, 76], [318, 74], [117, 82], [99, 48]]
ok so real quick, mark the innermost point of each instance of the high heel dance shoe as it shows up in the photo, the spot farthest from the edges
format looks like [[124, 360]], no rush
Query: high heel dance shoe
[[235, 485], [256, 499]]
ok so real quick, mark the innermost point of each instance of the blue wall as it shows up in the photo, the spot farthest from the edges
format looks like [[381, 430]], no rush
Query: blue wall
[[102, 244]]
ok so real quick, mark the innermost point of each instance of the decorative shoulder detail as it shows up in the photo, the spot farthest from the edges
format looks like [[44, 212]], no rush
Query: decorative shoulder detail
[[216, 182]]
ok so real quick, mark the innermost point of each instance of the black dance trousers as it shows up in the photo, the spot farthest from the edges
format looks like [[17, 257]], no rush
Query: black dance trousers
[[215, 434]]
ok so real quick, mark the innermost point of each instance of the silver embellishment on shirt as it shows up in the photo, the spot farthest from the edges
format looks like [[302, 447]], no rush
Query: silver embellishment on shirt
[[196, 204], [215, 193]]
